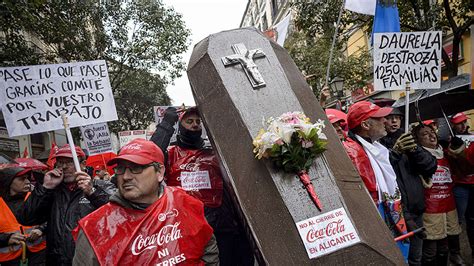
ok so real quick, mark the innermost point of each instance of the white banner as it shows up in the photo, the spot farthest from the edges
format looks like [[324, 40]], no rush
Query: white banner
[[97, 138], [401, 57], [127, 136], [33, 98], [327, 233]]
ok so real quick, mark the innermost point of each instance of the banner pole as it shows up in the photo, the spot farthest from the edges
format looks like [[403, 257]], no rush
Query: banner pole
[[71, 142], [407, 106], [328, 69]]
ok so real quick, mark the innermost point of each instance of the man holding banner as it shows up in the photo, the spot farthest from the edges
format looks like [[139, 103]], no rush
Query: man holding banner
[[65, 197]]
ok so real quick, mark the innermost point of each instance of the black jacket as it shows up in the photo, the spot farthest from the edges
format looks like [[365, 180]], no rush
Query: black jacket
[[409, 168], [15, 204], [221, 219], [62, 209], [389, 140]]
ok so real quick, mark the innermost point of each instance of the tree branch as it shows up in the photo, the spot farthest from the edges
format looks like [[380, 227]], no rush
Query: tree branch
[[449, 16]]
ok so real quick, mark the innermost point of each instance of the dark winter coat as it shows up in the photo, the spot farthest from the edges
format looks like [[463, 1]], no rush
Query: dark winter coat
[[409, 168], [389, 140], [62, 209]]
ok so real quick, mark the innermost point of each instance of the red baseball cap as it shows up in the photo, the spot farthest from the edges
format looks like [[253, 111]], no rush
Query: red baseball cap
[[335, 115], [364, 110], [428, 122], [139, 151], [191, 110], [65, 151], [458, 118]]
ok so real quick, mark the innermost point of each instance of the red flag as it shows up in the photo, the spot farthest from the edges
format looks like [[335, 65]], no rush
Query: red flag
[[51, 161], [25, 153]]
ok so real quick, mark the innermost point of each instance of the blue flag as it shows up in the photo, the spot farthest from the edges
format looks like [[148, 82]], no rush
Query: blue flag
[[386, 18]]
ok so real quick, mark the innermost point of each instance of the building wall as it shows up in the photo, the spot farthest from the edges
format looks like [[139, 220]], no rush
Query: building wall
[[264, 14]]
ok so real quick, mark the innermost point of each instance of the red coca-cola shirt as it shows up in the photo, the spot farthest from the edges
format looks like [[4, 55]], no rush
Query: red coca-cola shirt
[[440, 198], [197, 172], [172, 230]]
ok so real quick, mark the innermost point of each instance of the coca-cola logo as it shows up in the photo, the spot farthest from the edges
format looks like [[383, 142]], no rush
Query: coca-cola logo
[[189, 166], [442, 175], [331, 229], [167, 234], [169, 214], [133, 146]]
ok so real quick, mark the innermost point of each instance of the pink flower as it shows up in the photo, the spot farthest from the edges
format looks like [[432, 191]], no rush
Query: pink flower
[[306, 143]]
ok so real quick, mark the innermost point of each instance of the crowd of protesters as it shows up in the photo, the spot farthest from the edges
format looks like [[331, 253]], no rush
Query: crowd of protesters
[[418, 183], [65, 218]]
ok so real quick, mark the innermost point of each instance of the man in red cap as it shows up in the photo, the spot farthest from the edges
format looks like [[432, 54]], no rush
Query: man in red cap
[[463, 174], [459, 124], [65, 196], [391, 176], [338, 119], [146, 222], [192, 165]]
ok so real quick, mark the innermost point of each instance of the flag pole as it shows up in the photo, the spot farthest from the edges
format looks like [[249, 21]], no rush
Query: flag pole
[[71, 142], [334, 43], [407, 106]]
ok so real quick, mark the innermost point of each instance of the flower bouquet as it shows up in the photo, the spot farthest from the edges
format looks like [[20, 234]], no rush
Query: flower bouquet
[[292, 142]]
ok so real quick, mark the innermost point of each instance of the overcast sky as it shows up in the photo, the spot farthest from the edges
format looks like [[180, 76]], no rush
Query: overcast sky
[[202, 17]]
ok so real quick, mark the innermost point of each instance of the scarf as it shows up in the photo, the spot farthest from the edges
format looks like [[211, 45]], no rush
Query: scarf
[[189, 139], [385, 177], [436, 152]]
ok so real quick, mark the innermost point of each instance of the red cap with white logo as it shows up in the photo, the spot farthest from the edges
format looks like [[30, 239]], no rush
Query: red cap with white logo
[[65, 151], [458, 118], [363, 110], [335, 115], [139, 151]]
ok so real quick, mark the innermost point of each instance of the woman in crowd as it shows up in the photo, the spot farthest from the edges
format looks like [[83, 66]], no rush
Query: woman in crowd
[[14, 237], [440, 218]]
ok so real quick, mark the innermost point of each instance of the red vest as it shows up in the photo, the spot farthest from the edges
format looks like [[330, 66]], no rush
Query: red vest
[[9, 224], [172, 230], [362, 163], [440, 198], [466, 175], [197, 172]]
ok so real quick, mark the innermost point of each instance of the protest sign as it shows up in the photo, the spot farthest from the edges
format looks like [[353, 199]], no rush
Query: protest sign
[[327, 233], [97, 138], [159, 112], [401, 57], [129, 135], [33, 98]]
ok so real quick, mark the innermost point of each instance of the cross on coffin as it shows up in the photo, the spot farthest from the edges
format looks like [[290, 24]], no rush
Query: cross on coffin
[[245, 58]]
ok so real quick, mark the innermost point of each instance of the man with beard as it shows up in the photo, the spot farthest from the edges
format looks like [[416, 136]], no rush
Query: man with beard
[[62, 200], [192, 165]]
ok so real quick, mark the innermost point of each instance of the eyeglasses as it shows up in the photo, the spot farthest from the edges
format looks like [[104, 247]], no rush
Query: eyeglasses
[[64, 163], [134, 168]]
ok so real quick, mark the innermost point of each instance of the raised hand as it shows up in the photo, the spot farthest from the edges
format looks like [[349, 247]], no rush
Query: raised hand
[[53, 178], [84, 182]]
